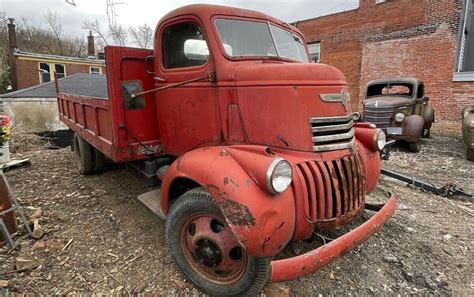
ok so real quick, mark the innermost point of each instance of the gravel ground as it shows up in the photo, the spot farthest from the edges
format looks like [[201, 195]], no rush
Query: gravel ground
[[99, 238]]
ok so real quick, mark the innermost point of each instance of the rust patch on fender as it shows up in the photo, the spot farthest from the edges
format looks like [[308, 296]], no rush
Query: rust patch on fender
[[236, 213]]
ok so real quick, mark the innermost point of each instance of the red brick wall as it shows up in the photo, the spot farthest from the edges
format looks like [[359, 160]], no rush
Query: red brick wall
[[28, 75], [397, 38]]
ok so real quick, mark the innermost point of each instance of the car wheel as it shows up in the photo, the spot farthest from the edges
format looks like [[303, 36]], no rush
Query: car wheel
[[414, 146], [83, 154], [207, 251], [470, 154], [426, 133]]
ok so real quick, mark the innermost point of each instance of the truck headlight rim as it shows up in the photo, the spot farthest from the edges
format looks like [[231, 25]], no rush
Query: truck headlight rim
[[279, 176], [380, 139], [399, 117]]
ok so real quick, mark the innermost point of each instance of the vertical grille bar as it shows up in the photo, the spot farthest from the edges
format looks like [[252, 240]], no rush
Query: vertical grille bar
[[311, 191], [343, 181], [346, 163], [302, 179], [335, 188], [327, 188], [319, 190]]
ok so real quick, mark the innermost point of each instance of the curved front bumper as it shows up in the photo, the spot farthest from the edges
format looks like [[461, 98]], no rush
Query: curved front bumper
[[291, 268]]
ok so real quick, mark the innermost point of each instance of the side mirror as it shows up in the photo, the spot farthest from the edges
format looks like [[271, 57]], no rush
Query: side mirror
[[196, 49], [426, 98], [132, 87]]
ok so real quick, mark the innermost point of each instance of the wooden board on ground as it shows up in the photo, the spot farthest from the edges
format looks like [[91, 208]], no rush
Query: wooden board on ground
[[14, 164]]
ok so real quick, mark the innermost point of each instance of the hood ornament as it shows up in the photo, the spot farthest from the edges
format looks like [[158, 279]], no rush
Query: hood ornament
[[344, 98]]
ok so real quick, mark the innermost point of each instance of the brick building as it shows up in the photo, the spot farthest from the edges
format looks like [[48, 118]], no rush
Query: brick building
[[30, 69], [431, 40]]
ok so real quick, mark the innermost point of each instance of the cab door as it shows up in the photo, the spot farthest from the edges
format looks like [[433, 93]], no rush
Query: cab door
[[188, 114]]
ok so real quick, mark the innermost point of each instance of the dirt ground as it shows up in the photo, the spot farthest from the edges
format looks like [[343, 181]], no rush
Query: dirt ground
[[99, 238]]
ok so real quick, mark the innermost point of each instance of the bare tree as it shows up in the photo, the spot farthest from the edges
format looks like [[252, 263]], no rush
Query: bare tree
[[55, 26], [141, 35], [118, 34], [94, 26]]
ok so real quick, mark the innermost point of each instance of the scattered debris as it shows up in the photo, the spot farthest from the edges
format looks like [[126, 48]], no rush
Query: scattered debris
[[99, 221], [26, 263], [37, 230]]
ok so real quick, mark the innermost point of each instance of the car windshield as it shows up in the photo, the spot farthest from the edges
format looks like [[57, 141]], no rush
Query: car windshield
[[242, 39], [391, 89]]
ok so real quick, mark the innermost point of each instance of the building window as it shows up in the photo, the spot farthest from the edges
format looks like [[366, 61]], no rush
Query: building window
[[95, 70], [45, 73], [466, 46], [314, 51]]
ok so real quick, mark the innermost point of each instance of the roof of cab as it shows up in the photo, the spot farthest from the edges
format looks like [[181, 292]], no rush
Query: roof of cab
[[206, 11], [409, 80]]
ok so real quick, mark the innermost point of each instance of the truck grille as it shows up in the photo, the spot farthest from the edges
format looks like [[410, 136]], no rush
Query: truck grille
[[332, 189], [332, 133], [380, 116]]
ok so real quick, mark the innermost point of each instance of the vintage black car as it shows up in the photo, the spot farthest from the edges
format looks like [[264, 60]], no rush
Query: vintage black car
[[400, 108]]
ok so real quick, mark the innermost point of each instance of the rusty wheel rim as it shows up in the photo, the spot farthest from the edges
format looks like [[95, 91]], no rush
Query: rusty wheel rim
[[212, 250]]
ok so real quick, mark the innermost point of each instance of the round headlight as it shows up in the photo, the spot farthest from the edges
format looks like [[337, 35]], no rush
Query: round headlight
[[279, 176], [399, 117], [379, 140], [356, 116]]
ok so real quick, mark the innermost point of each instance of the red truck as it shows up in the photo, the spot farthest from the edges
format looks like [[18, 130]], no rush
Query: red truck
[[253, 145]]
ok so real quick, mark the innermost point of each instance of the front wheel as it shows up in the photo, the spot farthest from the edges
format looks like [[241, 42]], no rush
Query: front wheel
[[414, 146], [207, 252]]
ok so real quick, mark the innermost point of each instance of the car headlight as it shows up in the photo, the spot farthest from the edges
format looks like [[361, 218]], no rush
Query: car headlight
[[379, 140], [356, 116], [279, 175], [399, 117]]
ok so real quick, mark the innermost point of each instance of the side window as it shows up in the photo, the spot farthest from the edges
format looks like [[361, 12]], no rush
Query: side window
[[184, 46], [421, 91]]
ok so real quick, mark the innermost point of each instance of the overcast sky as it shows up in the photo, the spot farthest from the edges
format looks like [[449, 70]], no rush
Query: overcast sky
[[135, 12]]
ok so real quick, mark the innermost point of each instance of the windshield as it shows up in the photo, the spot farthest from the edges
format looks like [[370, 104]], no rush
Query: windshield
[[256, 39], [394, 89]]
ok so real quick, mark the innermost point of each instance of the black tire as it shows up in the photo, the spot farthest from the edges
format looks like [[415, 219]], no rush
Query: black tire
[[83, 153], [414, 146], [99, 161], [252, 276], [426, 133], [470, 154]]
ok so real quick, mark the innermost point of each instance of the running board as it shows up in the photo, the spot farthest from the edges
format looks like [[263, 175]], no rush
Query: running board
[[151, 200]]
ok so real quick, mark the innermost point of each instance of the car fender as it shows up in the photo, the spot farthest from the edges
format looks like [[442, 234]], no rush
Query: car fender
[[412, 128], [428, 116], [263, 223]]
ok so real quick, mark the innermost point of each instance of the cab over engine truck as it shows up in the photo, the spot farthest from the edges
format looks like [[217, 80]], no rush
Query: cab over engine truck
[[253, 145]]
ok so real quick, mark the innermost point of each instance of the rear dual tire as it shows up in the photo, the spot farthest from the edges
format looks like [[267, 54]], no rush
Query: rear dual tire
[[88, 159]]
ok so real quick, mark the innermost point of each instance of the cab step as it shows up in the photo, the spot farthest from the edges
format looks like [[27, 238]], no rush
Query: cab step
[[151, 200]]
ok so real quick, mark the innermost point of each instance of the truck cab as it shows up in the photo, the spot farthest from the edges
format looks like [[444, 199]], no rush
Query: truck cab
[[253, 145], [400, 108]]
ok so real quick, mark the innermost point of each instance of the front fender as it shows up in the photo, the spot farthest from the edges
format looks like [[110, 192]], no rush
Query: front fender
[[263, 223], [412, 128]]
